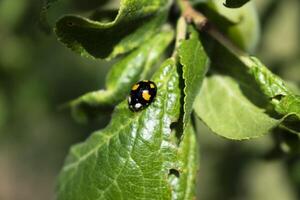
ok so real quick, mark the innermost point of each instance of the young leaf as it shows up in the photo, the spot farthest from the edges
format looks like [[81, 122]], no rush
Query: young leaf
[[195, 65], [136, 22], [185, 184], [289, 105], [235, 3], [284, 100], [132, 156], [270, 84], [123, 75], [244, 29], [224, 108]]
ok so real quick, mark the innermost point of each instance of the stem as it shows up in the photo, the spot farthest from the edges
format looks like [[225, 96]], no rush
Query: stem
[[191, 15], [226, 42], [202, 24], [181, 30]]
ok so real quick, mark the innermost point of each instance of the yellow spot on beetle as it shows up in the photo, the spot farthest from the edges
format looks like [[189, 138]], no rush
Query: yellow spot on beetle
[[146, 95], [135, 86], [145, 81], [152, 85]]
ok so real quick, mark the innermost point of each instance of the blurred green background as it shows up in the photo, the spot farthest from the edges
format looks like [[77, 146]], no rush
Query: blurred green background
[[38, 74]]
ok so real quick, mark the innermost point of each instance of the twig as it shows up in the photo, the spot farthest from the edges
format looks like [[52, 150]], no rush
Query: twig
[[202, 24], [191, 15]]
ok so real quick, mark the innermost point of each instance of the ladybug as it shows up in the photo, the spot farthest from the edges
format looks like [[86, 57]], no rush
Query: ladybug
[[141, 95]]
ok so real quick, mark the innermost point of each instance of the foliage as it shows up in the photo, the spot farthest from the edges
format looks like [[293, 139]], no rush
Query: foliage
[[194, 63], [123, 74], [127, 31], [152, 154], [139, 152]]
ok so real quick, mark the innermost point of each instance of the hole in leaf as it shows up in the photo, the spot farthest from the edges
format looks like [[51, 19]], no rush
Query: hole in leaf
[[173, 125], [177, 128], [278, 97], [174, 172], [188, 36]]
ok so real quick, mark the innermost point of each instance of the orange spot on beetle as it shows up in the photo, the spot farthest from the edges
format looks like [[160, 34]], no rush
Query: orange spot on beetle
[[135, 86], [146, 96], [152, 85]]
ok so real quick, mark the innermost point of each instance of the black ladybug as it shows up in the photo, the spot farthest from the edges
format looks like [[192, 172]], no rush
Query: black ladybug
[[141, 95]]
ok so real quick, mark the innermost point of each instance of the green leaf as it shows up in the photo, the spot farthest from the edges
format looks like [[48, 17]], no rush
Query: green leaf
[[54, 9], [195, 65], [270, 84], [288, 105], [136, 22], [185, 185], [233, 103], [132, 156], [88, 4], [235, 3], [224, 108], [134, 67], [284, 100], [242, 25]]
